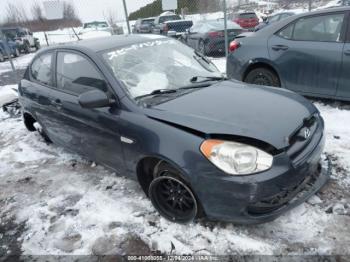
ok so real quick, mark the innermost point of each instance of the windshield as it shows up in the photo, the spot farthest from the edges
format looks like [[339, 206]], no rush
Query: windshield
[[96, 25], [10, 33], [147, 22], [248, 15], [163, 19], [158, 64], [220, 25]]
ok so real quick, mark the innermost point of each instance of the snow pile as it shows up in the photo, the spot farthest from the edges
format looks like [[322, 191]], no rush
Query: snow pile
[[8, 93], [19, 63], [70, 206]]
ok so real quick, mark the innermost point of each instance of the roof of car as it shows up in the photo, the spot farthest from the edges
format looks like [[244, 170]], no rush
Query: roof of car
[[110, 42], [271, 29]]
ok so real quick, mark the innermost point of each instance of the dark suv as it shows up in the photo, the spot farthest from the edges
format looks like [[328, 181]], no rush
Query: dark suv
[[247, 20]]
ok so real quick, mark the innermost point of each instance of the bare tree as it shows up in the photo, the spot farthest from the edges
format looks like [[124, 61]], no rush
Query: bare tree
[[69, 11], [36, 12], [15, 13]]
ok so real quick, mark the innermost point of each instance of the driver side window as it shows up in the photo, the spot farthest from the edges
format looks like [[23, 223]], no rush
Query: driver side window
[[77, 75]]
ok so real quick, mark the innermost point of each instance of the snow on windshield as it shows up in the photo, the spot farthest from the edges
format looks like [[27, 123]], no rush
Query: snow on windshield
[[158, 64]]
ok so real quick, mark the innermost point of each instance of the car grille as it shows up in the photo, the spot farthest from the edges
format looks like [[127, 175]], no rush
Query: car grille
[[286, 196], [299, 144]]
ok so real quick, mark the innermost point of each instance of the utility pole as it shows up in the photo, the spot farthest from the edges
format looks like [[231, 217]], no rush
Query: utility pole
[[225, 25], [126, 16]]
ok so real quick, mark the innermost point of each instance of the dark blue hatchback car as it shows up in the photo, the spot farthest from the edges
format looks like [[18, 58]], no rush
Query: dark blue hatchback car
[[307, 53], [151, 108]]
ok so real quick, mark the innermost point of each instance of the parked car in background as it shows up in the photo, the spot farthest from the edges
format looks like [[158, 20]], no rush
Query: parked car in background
[[273, 19], [247, 20], [307, 53], [208, 36], [153, 109], [97, 26], [170, 24], [23, 38], [143, 26], [8, 47]]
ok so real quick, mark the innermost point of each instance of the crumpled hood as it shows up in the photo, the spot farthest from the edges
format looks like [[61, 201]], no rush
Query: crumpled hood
[[235, 108]]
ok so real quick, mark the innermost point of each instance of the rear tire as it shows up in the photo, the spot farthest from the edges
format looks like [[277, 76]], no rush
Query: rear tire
[[26, 48], [262, 76], [2, 58], [170, 195], [17, 53]]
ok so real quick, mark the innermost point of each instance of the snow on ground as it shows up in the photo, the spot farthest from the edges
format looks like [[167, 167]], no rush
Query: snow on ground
[[19, 63], [70, 206]]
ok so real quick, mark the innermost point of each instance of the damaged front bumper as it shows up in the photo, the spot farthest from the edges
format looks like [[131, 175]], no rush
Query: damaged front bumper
[[262, 197]]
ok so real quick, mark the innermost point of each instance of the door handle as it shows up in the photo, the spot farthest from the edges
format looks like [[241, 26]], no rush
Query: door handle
[[347, 52], [279, 47]]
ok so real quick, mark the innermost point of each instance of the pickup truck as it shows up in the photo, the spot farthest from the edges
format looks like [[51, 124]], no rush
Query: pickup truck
[[171, 25], [23, 38]]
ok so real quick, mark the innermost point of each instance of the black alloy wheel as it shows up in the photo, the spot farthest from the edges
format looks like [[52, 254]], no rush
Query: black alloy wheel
[[172, 198]]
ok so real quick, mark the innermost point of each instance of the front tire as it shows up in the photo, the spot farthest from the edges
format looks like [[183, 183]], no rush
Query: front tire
[[172, 198], [263, 76]]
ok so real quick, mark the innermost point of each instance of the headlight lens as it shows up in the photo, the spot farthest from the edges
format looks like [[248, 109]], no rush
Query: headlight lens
[[236, 158]]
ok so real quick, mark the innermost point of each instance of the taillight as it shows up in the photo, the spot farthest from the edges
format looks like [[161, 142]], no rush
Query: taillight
[[234, 45], [237, 21]]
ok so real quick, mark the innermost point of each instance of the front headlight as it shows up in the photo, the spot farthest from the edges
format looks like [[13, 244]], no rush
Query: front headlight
[[236, 158]]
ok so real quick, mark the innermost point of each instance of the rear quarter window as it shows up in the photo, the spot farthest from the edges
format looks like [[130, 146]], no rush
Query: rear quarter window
[[41, 69]]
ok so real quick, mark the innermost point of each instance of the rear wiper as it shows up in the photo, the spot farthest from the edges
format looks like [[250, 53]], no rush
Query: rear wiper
[[195, 79]]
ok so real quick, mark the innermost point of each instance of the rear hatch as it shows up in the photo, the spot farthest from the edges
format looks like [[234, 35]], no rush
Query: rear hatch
[[247, 20]]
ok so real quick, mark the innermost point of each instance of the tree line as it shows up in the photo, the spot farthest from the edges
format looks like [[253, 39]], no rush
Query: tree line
[[187, 6], [16, 15]]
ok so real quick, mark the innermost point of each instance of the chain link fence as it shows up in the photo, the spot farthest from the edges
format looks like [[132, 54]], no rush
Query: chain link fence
[[201, 24]]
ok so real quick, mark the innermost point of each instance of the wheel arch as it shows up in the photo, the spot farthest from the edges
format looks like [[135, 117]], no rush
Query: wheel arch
[[29, 121], [145, 168], [262, 64]]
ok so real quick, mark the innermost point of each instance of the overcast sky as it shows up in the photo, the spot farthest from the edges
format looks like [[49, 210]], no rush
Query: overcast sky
[[87, 9]]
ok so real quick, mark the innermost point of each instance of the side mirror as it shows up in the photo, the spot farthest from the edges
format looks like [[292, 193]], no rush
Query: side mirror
[[95, 99]]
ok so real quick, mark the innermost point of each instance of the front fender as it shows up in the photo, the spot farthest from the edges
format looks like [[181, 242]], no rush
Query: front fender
[[153, 138]]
